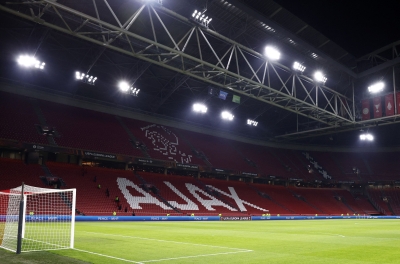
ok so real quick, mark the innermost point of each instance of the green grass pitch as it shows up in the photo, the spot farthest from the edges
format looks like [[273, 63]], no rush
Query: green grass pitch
[[296, 241]]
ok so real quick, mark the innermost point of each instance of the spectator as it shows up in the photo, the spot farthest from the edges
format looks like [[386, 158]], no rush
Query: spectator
[[95, 179], [116, 200], [107, 193], [99, 186]]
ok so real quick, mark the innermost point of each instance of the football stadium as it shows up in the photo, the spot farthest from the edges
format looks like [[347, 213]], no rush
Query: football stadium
[[199, 131]]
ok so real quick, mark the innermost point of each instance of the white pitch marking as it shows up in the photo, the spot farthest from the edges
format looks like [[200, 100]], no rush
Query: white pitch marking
[[107, 256], [196, 256], [170, 241]]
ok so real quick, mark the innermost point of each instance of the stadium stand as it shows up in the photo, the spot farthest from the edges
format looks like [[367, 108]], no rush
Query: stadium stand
[[216, 148], [13, 172], [18, 119], [84, 129], [149, 193], [162, 142]]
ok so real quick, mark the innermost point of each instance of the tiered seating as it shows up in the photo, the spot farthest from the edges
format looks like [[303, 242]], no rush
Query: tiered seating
[[325, 160], [162, 142], [187, 186], [359, 204], [18, 119], [292, 159], [382, 166], [219, 151], [266, 163], [246, 193], [393, 196], [88, 130], [90, 200], [348, 161], [377, 196], [286, 198], [13, 172], [324, 200]]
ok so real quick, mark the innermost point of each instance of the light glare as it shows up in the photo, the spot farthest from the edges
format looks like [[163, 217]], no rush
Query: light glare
[[226, 115], [377, 87], [123, 86], [272, 53], [366, 137], [200, 108], [319, 77], [298, 67], [252, 122]]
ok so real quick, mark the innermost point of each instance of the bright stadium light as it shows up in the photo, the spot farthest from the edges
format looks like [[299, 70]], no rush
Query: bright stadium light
[[272, 53], [319, 77], [299, 67], [128, 89], [201, 18], [227, 116], [366, 137], [200, 108], [124, 86], [252, 122], [30, 62], [85, 78], [376, 87]]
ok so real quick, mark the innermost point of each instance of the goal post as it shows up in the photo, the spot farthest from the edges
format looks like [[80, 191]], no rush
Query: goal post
[[47, 220]]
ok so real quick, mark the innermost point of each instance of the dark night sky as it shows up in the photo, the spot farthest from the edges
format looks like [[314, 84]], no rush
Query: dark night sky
[[360, 27]]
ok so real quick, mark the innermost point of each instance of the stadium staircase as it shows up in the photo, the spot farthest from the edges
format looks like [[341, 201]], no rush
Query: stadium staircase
[[42, 121]]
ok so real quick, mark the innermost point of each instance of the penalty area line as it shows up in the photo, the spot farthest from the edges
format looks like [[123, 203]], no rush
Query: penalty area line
[[107, 256], [164, 259], [197, 256]]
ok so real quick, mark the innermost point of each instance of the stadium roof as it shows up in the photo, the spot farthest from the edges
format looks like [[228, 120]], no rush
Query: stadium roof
[[174, 61]]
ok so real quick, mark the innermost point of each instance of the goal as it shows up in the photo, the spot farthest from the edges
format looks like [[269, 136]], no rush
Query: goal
[[34, 219]]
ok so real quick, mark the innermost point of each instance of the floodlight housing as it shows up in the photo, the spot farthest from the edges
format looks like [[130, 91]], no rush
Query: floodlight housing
[[272, 53], [299, 67], [30, 61], [376, 87], [200, 108], [124, 86], [227, 116], [252, 122], [366, 137], [86, 78], [319, 77]]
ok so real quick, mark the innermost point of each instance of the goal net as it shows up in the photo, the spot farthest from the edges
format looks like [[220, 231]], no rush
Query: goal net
[[48, 220]]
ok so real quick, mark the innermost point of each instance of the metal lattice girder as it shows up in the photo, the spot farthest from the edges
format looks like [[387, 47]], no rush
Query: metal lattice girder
[[175, 42]]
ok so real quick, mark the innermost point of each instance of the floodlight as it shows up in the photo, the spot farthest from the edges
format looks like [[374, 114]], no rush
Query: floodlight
[[376, 87], [299, 67], [86, 78], [319, 77], [272, 53], [30, 61], [226, 115], [200, 108], [201, 18], [252, 122], [123, 86], [366, 137]]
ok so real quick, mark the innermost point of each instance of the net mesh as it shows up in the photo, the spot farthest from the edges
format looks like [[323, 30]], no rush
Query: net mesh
[[48, 218]]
